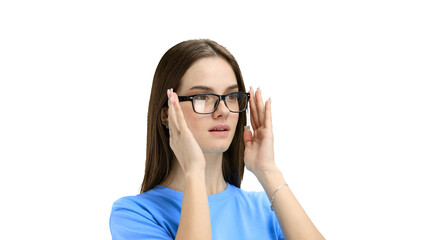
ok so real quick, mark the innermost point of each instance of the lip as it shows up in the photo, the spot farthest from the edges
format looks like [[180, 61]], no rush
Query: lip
[[220, 126], [220, 133]]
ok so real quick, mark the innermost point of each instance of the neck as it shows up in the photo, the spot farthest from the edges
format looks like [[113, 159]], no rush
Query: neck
[[215, 183]]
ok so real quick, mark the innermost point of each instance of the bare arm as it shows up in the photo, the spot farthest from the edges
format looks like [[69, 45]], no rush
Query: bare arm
[[259, 159], [195, 216], [294, 221]]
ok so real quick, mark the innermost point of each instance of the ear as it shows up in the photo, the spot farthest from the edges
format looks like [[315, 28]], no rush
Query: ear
[[164, 116]]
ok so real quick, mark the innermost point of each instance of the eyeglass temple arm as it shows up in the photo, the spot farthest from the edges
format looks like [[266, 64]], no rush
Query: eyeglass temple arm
[[185, 98]]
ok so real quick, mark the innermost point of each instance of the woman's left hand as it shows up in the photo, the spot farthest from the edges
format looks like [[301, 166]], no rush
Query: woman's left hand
[[259, 145]]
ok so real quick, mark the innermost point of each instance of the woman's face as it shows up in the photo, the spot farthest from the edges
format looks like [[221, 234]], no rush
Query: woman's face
[[210, 75]]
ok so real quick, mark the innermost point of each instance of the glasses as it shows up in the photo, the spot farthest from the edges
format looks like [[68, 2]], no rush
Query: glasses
[[206, 103]]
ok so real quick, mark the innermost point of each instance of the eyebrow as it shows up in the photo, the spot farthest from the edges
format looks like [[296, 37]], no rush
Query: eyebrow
[[202, 87]]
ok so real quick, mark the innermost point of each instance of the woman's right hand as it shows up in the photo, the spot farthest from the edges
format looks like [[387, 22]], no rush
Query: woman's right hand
[[182, 142]]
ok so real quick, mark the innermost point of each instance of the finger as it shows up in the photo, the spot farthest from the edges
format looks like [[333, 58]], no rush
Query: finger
[[253, 110], [179, 114], [268, 114], [248, 137], [173, 122], [252, 121], [260, 106]]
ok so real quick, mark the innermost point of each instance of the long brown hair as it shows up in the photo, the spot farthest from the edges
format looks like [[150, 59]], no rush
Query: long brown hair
[[169, 72]]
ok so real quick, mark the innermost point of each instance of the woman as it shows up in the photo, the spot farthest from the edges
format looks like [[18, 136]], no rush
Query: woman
[[197, 147]]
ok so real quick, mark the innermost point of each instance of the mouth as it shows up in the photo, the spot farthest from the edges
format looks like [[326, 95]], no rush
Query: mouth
[[220, 130]]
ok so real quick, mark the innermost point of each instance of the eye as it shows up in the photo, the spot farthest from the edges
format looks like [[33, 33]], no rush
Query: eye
[[202, 97], [232, 97]]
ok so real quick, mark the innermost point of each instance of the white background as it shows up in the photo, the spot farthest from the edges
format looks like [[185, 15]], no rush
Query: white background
[[346, 78]]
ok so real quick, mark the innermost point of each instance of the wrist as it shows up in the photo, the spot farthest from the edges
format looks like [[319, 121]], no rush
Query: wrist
[[266, 173], [196, 175], [270, 179]]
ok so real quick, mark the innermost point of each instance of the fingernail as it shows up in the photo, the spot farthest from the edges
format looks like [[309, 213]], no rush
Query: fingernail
[[247, 127], [168, 92], [173, 98], [251, 88]]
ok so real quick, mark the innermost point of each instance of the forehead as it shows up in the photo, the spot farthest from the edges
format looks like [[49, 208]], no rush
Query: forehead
[[212, 72]]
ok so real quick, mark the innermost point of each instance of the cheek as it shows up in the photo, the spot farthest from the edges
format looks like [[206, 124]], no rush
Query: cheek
[[234, 123], [234, 119], [191, 118]]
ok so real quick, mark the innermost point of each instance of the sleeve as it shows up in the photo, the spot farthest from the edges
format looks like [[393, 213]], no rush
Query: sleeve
[[130, 222], [274, 220], [278, 228]]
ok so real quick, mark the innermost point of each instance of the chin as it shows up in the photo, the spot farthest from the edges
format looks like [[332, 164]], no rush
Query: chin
[[215, 145], [217, 149]]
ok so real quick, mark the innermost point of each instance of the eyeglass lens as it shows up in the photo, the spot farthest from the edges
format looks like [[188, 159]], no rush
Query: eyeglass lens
[[206, 103]]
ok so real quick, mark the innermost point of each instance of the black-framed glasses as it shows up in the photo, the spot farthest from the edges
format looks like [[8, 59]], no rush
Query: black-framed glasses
[[206, 103]]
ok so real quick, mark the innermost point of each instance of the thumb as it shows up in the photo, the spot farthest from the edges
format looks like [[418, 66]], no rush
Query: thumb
[[248, 137]]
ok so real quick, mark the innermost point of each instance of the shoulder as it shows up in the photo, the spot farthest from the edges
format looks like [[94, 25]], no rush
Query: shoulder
[[130, 208], [144, 203], [140, 215], [128, 202], [132, 202]]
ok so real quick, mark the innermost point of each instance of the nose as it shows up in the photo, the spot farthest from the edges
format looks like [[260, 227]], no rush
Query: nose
[[221, 110]]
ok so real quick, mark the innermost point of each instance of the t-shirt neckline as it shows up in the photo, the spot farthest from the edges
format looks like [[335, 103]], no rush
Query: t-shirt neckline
[[218, 197]]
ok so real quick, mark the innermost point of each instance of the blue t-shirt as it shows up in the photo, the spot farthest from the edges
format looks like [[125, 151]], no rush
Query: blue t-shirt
[[155, 214]]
